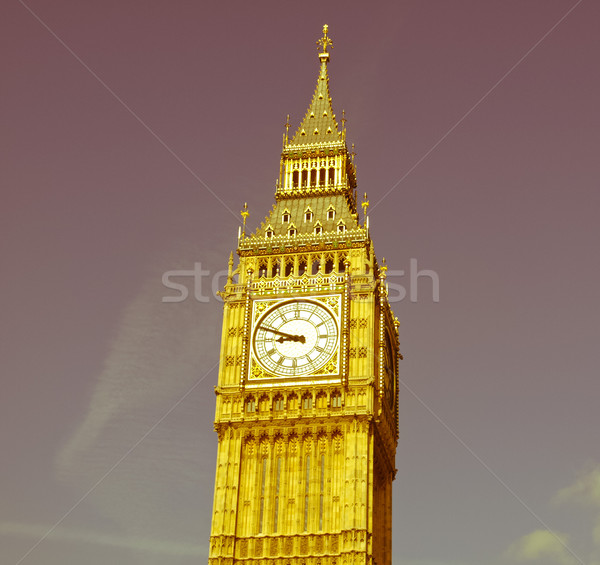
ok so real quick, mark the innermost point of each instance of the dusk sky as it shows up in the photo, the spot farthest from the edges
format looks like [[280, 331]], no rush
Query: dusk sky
[[132, 134]]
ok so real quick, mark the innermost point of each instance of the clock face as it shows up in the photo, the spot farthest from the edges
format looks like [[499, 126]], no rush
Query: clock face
[[295, 338], [389, 370]]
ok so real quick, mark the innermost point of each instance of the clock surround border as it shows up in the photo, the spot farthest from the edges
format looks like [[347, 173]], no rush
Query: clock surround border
[[339, 314]]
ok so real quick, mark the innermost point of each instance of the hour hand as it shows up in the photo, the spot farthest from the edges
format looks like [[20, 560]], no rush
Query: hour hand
[[284, 336], [299, 338]]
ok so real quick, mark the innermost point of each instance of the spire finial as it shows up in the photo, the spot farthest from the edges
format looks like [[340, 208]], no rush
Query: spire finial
[[286, 137], [365, 204], [230, 269], [365, 207], [324, 42], [245, 215]]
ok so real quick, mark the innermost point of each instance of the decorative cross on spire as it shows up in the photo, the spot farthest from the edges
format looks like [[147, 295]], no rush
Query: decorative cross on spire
[[325, 42]]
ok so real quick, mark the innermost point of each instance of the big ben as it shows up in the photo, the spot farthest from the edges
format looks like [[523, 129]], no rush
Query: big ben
[[307, 393]]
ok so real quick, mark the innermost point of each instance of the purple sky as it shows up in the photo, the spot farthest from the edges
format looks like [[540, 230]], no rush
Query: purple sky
[[129, 150]]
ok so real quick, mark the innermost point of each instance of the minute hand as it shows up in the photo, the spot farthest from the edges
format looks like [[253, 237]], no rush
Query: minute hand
[[288, 337]]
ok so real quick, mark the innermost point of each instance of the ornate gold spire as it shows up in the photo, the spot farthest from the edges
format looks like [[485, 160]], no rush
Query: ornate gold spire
[[315, 160], [319, 125]]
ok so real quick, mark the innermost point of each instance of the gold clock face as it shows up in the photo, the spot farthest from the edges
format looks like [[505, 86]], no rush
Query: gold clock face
[[295, 338]]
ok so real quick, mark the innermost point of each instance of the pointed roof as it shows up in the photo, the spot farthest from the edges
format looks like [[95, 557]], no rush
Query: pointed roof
[[319, 124]]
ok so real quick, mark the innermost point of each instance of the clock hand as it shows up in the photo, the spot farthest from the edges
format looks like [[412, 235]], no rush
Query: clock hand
[[284, 336], [299, 338], [267, 329]]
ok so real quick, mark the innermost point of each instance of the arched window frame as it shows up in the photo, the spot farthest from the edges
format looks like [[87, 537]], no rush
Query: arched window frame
[[302, 265], [263, 269], [307, 402], [336, 399], [321, 400]]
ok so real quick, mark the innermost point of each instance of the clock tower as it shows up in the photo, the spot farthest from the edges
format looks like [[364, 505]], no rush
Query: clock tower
[[307, 393]]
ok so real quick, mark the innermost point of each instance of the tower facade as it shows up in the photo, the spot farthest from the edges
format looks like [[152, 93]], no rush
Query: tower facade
[[307, 394]]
